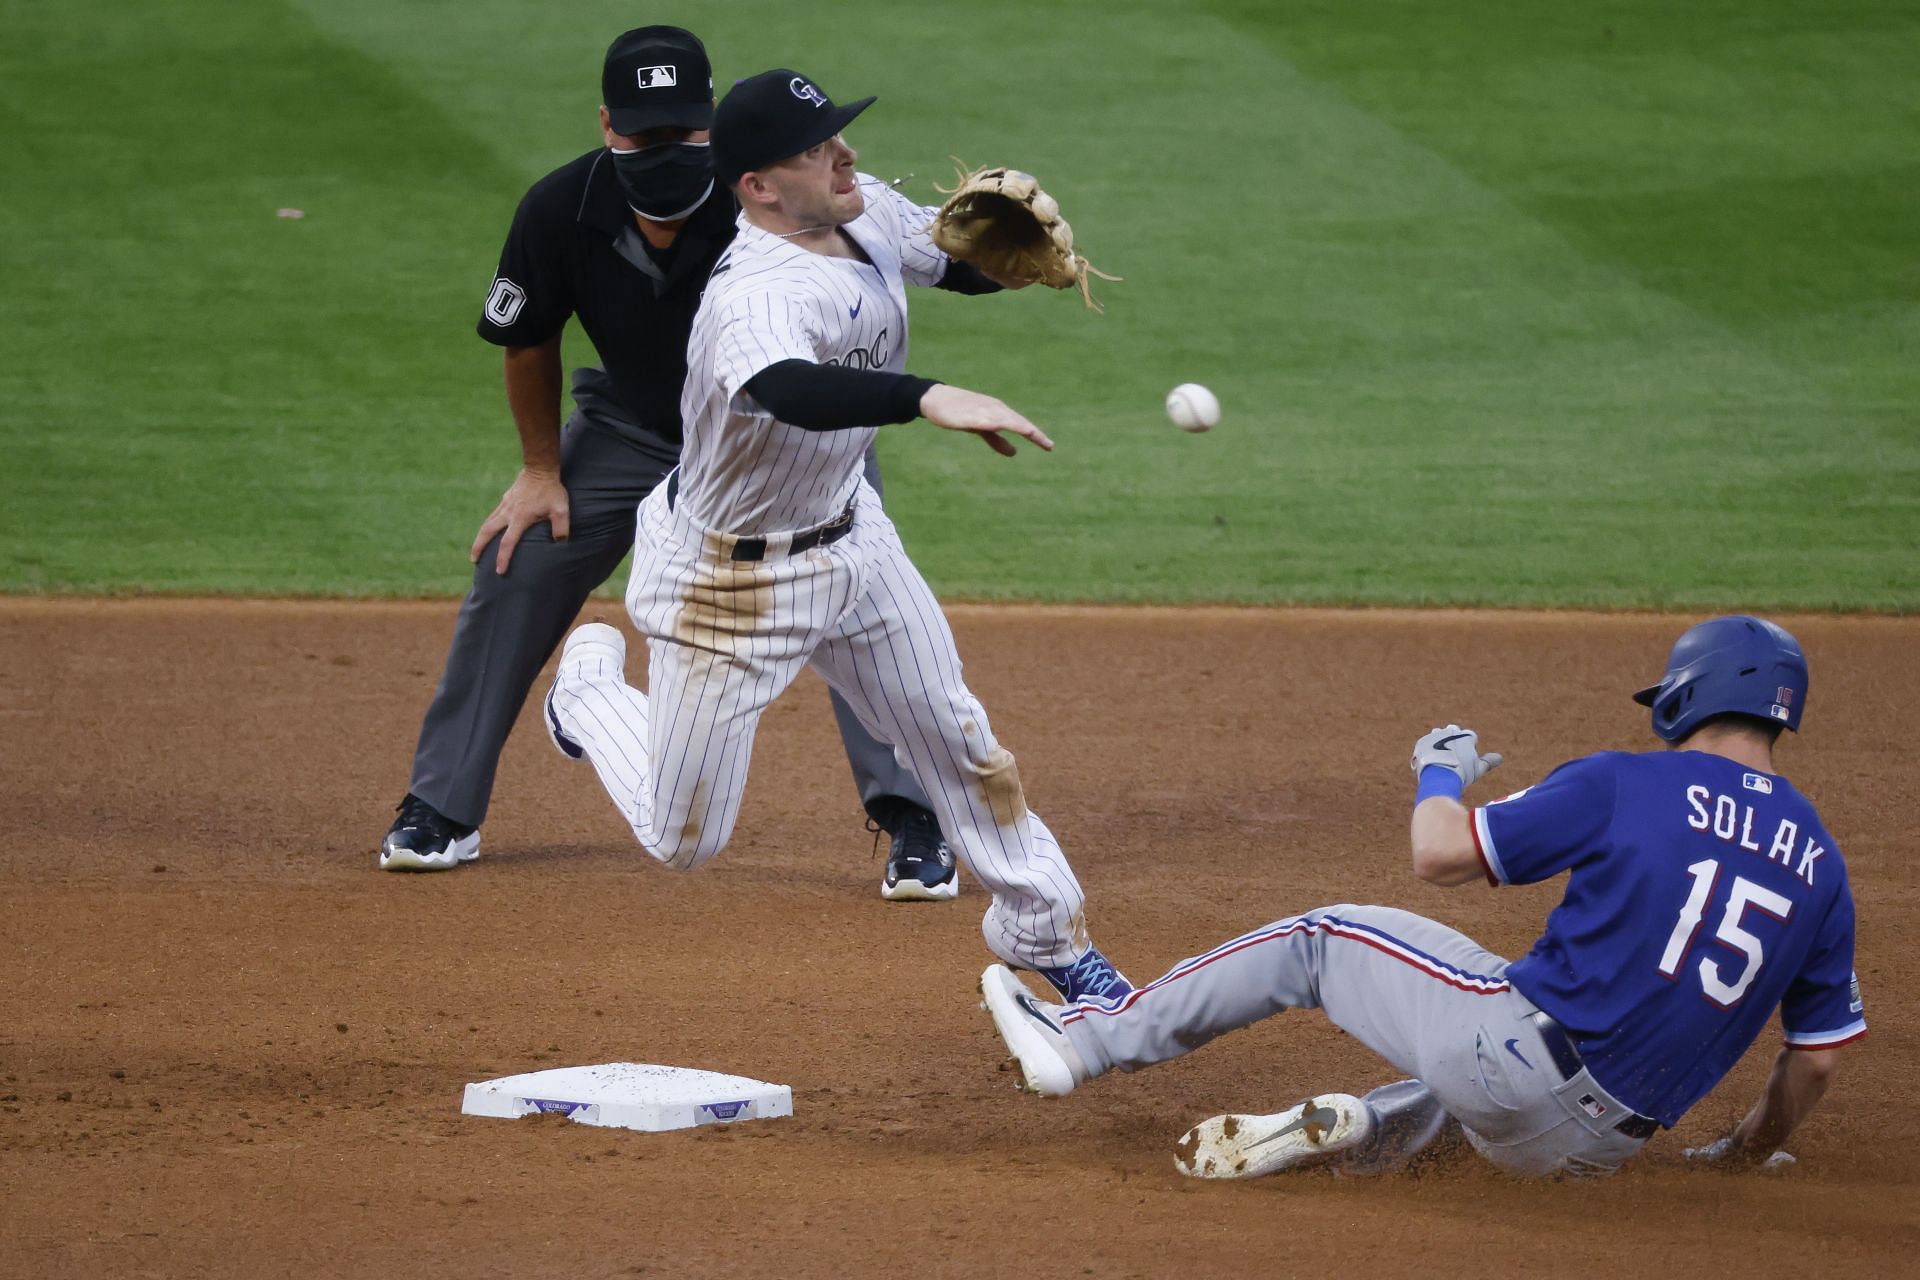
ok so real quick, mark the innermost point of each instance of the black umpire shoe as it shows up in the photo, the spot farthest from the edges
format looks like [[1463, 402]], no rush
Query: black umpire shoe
[[919, 865], [424, 839]]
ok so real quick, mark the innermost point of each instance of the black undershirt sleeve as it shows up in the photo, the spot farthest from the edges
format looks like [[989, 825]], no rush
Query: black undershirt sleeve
[[963, 277], [826, 397]]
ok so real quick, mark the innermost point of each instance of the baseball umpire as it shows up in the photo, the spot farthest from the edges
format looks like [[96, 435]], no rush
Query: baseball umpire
[[623, 237], [1703, 892]]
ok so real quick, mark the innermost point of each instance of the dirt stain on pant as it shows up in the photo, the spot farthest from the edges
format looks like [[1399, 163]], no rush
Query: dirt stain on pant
[[723, 612], [1000, 786], [724, 607], [693, 826]]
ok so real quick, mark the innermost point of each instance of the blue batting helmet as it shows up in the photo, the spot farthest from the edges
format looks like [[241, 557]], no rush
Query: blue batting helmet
[[1738, 663]]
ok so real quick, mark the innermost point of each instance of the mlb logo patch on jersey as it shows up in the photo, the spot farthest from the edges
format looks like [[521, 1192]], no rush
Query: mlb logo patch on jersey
[[659, 77], [1757, 782]]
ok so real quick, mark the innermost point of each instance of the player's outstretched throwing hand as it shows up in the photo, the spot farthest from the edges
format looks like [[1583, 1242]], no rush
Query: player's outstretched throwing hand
[[958, 409]]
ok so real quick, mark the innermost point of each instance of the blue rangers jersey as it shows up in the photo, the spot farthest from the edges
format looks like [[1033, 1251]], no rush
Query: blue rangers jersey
[[1701, 895]]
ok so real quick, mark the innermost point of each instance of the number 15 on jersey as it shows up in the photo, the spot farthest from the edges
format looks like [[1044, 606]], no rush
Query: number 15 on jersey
[[1744, 894]]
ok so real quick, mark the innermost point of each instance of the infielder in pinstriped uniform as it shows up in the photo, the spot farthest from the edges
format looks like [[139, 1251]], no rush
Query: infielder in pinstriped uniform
[[622, 238], [1703, 893], [767, 551]]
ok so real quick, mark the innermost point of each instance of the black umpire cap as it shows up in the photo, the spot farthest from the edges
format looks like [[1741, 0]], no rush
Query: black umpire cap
[[657, 76], [768, 117]]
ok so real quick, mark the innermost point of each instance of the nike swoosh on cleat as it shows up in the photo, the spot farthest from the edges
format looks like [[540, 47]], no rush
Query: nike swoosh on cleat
[[1516, 1053], [1321, 1118], [1030, 1007]]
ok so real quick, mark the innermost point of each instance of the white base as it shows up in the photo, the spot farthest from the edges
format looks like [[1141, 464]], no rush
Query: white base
[[630, 1095]]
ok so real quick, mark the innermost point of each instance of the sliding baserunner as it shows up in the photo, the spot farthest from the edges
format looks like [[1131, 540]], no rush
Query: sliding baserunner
[[1703, 892]]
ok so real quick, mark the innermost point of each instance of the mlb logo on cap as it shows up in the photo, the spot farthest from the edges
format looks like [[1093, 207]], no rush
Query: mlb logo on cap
[[656, 78]]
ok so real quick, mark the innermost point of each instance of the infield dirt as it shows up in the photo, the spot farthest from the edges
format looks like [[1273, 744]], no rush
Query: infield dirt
[[230, 1047]]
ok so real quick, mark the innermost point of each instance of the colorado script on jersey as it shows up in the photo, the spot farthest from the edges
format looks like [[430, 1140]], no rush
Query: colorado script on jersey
[[743, 471]]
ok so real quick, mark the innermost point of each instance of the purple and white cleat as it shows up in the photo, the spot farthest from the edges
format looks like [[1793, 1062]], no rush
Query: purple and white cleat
[[1091, 977]]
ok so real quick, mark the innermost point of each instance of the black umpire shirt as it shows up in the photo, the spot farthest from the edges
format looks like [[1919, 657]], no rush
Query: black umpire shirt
[[573, 249]]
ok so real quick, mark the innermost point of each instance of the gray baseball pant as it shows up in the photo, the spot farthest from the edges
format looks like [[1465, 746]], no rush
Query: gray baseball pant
[[1428, 999], [510, 625]]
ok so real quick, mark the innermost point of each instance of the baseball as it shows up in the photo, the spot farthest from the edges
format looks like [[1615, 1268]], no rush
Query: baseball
[[1192, 407]]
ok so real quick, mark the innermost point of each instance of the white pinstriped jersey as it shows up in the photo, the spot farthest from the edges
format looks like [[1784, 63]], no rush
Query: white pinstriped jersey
[[726, 637], [743, 471]]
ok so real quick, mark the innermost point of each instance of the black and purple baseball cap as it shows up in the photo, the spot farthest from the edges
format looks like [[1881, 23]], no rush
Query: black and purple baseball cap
[[768, 117], [655, 77]]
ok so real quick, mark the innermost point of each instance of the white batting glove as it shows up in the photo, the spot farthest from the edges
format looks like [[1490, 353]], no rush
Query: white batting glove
[[1456, 749]]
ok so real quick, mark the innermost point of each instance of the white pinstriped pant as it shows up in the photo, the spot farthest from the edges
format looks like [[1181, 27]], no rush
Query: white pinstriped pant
[[725, 639]]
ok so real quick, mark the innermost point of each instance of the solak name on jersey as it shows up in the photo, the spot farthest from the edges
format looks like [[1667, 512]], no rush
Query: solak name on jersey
[[1734, 821]]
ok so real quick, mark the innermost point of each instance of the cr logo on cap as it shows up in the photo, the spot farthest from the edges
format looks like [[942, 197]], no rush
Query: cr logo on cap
[[659, 77], [806, 92]]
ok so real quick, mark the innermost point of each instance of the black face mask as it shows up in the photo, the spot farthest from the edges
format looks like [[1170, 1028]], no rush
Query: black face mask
[[665, 182]]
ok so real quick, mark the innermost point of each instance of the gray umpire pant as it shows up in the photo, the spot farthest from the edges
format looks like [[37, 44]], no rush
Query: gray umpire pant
[[510, 624], [1428, 999]]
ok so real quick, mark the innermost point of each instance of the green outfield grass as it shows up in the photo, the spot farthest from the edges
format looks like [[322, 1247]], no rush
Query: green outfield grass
[[1507, 303]]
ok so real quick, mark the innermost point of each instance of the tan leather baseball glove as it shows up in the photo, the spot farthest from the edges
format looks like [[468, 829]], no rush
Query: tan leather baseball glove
[[1000, 221]]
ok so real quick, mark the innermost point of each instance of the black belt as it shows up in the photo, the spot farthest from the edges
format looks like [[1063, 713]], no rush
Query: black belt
[[751, 549], [1566, 1058], [826, 535]]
